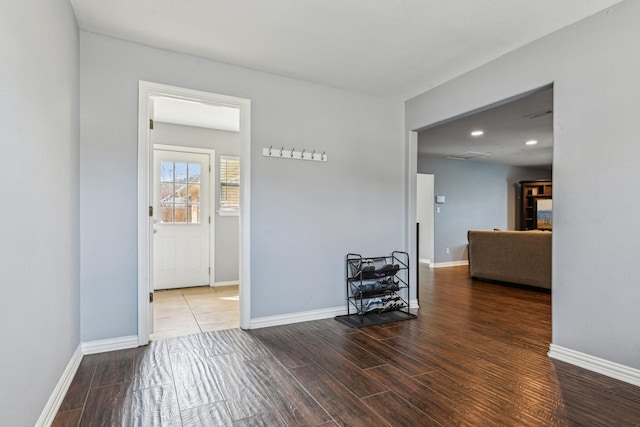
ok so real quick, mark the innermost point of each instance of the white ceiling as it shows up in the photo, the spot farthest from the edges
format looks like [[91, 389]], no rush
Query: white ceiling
[[393, 48], [506, 129]]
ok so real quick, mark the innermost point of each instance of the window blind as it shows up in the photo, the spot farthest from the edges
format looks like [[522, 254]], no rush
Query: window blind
[[229, 182]]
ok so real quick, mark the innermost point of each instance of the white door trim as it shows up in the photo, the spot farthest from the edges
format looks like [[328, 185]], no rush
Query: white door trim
[[212, 196], [411, 184], [145, 153]]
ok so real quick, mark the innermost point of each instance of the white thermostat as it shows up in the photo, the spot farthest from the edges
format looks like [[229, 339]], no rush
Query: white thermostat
[[440, 199]]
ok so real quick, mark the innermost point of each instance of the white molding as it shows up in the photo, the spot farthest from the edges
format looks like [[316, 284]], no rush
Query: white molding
[[60, 390], [245, 212], [186, 149], [302, 316], [410, 199], [448, 264], [111, 344], [145, 91], [222, 284], [595, 364], [228, 212], [424, 261], [305, 316]]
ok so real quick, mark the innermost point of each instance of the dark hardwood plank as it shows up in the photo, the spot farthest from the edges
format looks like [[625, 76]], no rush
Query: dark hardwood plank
[[244, 392], [284, 346], [67, 418], [345, 408], [242, 343], [186, 343], [476, 356], [79, 387], [270, 419], [156, 406], [214, 414], [194, 379], [108, 406], [437, 406], [114, 367], [398, 411], [342, 370], [383, 331], [351, 351], [390, 354], [295, 405], [152, 366]]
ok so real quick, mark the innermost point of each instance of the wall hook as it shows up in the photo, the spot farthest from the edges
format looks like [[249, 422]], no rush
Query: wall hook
[[301, 154]]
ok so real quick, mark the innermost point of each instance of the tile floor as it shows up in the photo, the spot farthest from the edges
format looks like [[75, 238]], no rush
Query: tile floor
[[179, 312]]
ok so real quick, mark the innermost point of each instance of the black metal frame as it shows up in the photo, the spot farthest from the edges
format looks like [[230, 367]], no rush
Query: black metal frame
[[355, 295]]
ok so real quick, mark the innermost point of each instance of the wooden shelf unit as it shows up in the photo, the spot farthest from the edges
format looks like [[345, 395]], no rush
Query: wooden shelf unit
[[530, 192]]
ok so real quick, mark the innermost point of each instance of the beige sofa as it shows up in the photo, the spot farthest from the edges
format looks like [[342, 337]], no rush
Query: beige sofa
[[521, 257]]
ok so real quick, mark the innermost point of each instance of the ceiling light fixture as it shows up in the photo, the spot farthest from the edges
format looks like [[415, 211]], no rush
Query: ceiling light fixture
[[477, 133], [531, 142]]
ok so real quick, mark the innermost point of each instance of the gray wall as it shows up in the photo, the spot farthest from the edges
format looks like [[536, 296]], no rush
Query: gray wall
[[305, 215], [226, 233], [39, 243], [478, 196], [594, 67]]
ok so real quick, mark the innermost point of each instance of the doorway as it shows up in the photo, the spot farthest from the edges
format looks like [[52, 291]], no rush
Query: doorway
[[424, 217], [147, 199]]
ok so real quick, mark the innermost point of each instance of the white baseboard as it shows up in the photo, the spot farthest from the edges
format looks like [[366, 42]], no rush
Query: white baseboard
[[229, 283], [305, 316], [302, 316], [60, 390], [595, 364], [449, 264], [424, 261], [111, 344]]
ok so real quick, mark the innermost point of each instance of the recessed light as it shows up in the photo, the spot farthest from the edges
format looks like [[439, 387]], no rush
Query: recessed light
[[477, 133], [531, 142]]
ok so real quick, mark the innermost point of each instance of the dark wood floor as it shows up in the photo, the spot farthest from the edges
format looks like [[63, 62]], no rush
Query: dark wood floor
[[476, 356]]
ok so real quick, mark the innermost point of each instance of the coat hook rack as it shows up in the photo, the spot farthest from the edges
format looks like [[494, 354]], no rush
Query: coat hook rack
[[294, 155]]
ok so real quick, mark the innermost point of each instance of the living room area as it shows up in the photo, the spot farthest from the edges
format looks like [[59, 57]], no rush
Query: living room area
[[492, 190]]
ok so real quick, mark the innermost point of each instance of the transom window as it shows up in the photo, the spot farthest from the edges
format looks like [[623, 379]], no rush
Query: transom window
[[180, 192]]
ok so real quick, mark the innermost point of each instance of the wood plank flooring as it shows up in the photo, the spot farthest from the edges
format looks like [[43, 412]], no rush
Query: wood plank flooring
[[476, 356]]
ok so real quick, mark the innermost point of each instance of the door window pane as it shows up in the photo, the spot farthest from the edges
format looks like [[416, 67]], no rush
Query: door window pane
[[180, 192], [166, 172], [194, 171], [181, 172], [166, 192], [180, 214], [166, 213]]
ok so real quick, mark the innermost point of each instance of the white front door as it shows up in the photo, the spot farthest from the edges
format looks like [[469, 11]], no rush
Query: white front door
[[181, 240]]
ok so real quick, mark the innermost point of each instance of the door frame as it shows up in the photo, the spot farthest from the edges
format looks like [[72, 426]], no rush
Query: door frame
[[212, 194], [146, 90]]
